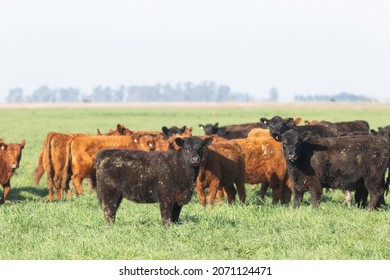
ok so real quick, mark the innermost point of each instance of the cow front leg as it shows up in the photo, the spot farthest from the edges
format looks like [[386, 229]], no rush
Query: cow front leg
[[165, 210], [7, 189], [78, 186], [110, 209], [175, 213]]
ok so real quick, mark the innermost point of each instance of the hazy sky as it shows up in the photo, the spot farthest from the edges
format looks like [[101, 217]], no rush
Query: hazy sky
[[299, 47]]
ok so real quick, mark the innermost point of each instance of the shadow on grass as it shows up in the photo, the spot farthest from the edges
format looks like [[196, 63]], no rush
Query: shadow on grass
[[27, 193]]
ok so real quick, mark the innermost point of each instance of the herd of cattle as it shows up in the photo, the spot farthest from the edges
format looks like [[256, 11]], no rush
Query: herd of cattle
[[167, 166]]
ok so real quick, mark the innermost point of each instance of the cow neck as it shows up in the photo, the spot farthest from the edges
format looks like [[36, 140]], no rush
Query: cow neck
[[191, 171]]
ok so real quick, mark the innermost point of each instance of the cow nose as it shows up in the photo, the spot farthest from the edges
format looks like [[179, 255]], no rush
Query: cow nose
[[195, 160], [292, 158]]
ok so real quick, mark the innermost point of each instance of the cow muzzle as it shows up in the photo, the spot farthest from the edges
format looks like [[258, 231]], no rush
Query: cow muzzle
[[14, 166], [195, 161], [292, 158]]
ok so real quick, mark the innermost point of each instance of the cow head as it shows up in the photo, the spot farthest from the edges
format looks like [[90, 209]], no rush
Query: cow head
[[168, 132], [277, 126], [292, 143], [210, 129], [147, 143], [14, 153], [193, 148]]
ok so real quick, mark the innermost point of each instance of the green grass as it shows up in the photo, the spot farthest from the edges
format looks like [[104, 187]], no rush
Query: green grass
[[33, 228]]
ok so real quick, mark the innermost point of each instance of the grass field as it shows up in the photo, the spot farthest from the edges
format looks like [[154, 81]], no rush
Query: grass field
[[33, 228]]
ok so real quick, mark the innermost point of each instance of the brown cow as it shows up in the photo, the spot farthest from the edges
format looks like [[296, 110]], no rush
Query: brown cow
[[81, 155], [223, 165], [10, 156], [52, 159], [120, 130], [265, 163]]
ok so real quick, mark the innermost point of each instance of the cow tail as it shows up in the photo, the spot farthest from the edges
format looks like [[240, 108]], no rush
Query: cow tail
[[39, 169], [67, 166], [388, 177]]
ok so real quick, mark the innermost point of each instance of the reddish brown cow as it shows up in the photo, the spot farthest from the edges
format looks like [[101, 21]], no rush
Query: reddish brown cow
[[120, 130], [264, 162], [52, 159], [82, 150], [10, 156], [223, 166]]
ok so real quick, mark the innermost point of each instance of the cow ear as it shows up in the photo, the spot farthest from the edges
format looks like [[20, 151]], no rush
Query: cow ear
[[264, 121], [23, 143], [297, 121], [305, 136], [183, 128], [207, 141], [216, 124], [373, 132], [179, 141], [3, 146], [135, 138], [165, 130], [201, 126], [290, 121]]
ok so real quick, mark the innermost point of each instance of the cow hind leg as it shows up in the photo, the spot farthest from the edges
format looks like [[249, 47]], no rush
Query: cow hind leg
[[110, 209], [286, 194], [213, 189], [361, 196], [78, 186], [165, 211], [230, 194], [241, 190], [175, 213], [7, 189], [376, 190], [263, 189]]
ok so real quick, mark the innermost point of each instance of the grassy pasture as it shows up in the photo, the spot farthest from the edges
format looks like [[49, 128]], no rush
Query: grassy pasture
[[33, 228]]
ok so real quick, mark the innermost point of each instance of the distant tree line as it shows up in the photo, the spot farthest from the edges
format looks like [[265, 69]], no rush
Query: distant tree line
[[341, 97], [181, 92]]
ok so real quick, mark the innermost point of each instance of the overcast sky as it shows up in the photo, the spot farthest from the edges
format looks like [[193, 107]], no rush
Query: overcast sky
[[299, 47]]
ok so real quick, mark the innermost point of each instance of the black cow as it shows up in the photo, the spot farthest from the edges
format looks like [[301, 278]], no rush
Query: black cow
[[277, 126], [232, 131], [346, 163], [382, 131], [147, 177], [168, 132], [346, 127]]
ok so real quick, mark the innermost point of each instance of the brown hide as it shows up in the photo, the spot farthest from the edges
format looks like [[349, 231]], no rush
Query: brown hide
[[10, 156], [81, 156], [223, 166], [265, 163]]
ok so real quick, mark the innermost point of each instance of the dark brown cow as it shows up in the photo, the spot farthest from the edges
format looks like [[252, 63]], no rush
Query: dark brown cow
[[173, 130], [382, 131], [10, 156], [223, 165], [148, 177], [347, 163], [346, 127], [233, 131]]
